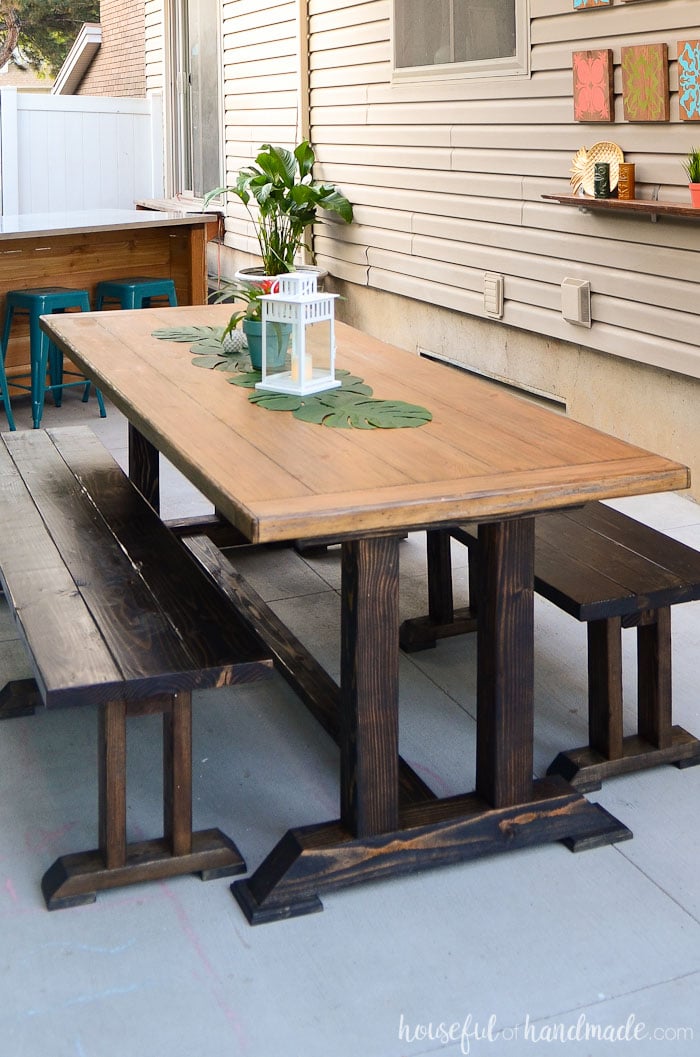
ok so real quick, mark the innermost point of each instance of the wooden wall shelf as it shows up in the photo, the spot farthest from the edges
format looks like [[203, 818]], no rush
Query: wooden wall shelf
[[652, 208]]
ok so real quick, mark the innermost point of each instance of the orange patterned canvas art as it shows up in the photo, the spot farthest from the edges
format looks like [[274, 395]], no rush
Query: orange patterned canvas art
[[593, 85], [645, 94]]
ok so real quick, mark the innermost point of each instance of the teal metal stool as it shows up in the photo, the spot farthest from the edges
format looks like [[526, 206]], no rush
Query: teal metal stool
[[135, 292], [44, 355], [5, 394]]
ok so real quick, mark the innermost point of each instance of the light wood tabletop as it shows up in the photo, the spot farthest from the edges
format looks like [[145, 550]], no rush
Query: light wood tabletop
[[486, 456]]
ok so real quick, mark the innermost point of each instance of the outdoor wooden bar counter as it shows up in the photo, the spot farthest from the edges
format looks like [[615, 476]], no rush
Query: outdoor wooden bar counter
[[78, 249], [486, 456]]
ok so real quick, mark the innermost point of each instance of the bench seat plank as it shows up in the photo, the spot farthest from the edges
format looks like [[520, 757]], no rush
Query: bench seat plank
[[57, 606], [161, 624]]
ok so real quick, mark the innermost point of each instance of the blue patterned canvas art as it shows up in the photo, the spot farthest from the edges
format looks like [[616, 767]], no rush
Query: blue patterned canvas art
[[689, 80], [582, 5]]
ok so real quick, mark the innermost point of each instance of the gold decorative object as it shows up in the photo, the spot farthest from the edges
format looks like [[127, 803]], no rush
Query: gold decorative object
[[625, 186], [584, 161]]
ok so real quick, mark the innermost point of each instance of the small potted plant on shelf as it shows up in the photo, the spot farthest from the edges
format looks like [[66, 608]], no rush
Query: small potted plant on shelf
[[691, 165], [280, 185], [250, 319]]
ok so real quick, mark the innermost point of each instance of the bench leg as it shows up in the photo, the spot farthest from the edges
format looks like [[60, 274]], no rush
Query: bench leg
[[442, 620], [177, 775], [605, 687], [657, 741], [654, 677], [75, 879]]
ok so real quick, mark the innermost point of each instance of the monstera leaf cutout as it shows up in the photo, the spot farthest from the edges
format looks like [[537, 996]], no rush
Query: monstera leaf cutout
[[351, 406], [352, 411], [209, 337]]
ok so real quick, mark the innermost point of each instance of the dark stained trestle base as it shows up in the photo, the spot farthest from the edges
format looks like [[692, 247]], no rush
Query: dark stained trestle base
[[74, 880], [20, 697], [325, 857]]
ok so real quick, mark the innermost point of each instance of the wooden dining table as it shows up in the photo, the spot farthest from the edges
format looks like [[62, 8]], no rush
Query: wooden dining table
[[486, 456]]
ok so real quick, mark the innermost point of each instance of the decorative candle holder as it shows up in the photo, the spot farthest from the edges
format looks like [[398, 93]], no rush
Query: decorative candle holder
[[601, 179], [297, 304]]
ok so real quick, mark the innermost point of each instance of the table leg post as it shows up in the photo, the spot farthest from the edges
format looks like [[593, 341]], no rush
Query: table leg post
[[144, 467], [505, 668], [369, 742]]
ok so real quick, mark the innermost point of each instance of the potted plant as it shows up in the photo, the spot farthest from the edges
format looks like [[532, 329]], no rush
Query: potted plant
[[281, 186], [277, 336], [691, 166]]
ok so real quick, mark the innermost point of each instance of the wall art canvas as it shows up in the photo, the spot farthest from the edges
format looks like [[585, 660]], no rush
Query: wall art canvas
[[584, 5], [645, 95], [689, 80], [593, 85]]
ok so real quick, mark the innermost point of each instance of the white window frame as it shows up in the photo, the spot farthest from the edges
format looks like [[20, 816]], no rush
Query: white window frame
[[517, 65]]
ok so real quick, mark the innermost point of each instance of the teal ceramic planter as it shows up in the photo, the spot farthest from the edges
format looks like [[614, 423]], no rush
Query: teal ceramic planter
[[277, 341]]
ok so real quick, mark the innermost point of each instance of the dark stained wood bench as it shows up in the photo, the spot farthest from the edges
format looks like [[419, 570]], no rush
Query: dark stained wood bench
[[114, 612], [612, 572]]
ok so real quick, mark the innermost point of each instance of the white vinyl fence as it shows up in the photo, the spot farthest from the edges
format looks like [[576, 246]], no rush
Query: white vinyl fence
[[62, 153]]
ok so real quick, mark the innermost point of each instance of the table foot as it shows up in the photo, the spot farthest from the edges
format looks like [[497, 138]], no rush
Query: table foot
[[20, 697], [74, 880], [585, 768], [610, 831], [261, 915], [435, 833]]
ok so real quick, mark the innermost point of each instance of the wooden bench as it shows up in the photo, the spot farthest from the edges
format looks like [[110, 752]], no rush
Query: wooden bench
[[114, 612], [612, 572]]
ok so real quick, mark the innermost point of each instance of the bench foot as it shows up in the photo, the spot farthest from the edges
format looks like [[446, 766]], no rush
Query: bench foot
[[422, 633], [74, 880], [585, 769], [327, 856], [20, 697]]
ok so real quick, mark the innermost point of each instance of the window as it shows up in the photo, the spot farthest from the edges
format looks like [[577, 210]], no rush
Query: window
[[458, 38], [196, 125]]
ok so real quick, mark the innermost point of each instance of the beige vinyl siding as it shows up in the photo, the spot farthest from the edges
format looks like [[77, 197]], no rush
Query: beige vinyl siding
[[447, 179], [262, 101], [155, 45]]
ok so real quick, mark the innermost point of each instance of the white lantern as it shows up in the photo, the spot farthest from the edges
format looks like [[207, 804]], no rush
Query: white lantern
[[297, 304]]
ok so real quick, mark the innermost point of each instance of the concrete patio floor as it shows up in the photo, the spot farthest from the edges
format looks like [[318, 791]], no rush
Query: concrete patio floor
[[539, 952]]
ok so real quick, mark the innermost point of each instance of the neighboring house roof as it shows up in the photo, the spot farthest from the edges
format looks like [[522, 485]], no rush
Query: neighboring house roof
[[78, 59], [16, 74]]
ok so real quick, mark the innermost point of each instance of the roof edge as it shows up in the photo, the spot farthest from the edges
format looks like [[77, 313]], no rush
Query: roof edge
[[76, 63]]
